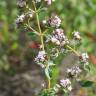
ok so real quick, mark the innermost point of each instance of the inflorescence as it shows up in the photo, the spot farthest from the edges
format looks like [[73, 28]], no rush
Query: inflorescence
[[58, 38]]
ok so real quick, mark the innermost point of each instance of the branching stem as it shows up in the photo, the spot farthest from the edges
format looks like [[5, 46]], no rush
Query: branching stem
[[32, 29], [73, 50], [38, 22], [41, 34]]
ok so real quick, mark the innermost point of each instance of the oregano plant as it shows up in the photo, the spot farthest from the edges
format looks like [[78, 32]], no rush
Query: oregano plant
[[52, 42]]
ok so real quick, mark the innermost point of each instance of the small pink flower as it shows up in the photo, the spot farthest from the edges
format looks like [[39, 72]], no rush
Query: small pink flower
[[49, 2]]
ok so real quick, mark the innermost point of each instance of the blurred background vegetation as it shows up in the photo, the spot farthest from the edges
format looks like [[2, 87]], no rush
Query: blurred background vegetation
[[15, 51]]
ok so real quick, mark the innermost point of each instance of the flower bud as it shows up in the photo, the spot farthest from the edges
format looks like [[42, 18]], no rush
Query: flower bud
[[84, 57], [21, 3], [77, 35]]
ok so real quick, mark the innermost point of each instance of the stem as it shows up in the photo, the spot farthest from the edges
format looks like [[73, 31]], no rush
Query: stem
[[38, 22], [32, 29], [41, 35], [66, 94], [73, 50], [49, 83]]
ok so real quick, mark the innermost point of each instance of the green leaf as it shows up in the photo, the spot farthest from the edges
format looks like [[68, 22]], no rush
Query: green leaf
[[14, 46], [50, 63], [31, 33], [87, 67], [47, 73], [86, 83]]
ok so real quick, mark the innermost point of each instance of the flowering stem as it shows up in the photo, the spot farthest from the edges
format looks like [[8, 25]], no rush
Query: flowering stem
[[73, 50], [38, 22], [41, 34]]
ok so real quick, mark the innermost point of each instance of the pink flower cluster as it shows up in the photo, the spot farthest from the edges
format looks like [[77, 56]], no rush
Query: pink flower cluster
[[54, 21], [59, 38], [74, 71], [49, 2], [66, 83], [41, 58]]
